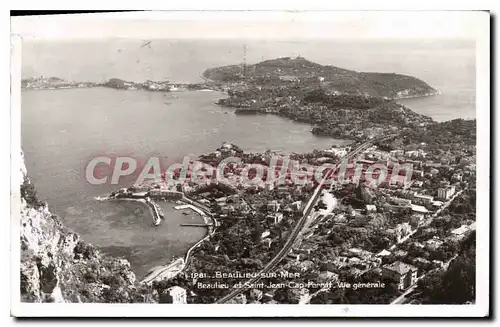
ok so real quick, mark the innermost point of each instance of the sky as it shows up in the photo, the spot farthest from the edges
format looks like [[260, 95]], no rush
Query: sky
[[255, 25]]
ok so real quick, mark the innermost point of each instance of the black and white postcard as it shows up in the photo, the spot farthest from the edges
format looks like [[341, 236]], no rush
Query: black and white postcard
[[192, 163]]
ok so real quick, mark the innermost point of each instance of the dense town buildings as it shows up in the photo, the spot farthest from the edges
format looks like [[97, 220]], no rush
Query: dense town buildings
[[369, 234], [174, 295]]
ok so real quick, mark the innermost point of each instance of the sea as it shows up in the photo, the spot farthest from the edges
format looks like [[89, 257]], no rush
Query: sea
[[63, 129]]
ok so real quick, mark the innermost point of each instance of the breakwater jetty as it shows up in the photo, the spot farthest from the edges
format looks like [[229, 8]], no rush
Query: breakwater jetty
[[148, 194], [172, 269]]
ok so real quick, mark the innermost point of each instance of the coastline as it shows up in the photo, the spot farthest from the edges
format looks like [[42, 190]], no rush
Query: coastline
[[186, 88], [190, 250], [55, 83], [182, 261], [438, 92], [156, 219], [166, 86], [207, 220], [179, 264]]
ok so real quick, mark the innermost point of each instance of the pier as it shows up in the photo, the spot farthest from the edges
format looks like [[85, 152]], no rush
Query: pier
[[190, 206], [171, 270], [207, 222], [155, 210], [157, 213]]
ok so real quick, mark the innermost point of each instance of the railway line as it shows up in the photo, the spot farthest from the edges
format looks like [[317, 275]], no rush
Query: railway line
[[297, 229]]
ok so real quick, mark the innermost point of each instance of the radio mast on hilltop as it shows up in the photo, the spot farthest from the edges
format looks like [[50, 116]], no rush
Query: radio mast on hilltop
[[244, 63]]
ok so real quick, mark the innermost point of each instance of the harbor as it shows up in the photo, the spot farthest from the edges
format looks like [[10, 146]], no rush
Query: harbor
[[153, 196]]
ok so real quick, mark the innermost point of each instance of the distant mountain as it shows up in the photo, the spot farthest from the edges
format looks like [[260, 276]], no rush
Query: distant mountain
[[333, 79]]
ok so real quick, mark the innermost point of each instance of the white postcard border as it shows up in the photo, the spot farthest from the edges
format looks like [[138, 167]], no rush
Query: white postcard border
[[479, 309]]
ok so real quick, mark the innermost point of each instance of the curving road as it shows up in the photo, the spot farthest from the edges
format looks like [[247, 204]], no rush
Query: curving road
[[297, 229]]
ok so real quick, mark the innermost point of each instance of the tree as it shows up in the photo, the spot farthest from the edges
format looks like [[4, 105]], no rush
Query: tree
[[28, 193], [457, 284]]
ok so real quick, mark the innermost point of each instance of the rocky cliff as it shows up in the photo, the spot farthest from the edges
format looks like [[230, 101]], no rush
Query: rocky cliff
[[57, 266]]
